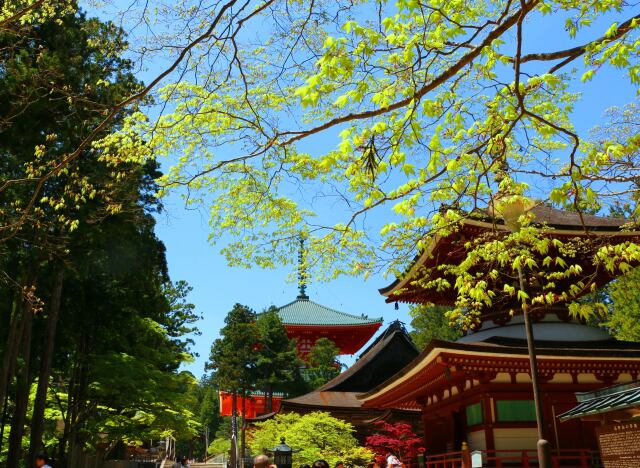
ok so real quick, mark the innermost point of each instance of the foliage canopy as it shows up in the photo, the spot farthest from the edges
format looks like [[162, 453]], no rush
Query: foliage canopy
[[429, 322], [317, 435], [426, 111], [322, 363]]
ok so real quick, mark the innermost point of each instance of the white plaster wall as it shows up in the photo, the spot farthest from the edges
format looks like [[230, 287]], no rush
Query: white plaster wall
[[524, 438], [550, 329]]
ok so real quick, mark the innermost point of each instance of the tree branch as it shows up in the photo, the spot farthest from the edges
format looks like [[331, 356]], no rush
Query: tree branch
[[450, 72], [576, 52]]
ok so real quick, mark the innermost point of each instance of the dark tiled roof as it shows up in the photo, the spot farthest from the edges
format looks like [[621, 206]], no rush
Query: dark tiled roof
[[390, 351], [328, 399], [561, 219], [607, 400], [569, 219], [394, 327], [307, 312]]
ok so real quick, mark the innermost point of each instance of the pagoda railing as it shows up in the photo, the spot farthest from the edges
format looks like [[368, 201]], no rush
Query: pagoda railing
[[512, 458]]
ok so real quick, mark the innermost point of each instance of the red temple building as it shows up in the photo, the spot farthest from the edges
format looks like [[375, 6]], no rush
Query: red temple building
[[477, 392], [307, 321]]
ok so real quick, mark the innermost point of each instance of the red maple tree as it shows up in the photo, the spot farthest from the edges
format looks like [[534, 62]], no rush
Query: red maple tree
[[398, 437]]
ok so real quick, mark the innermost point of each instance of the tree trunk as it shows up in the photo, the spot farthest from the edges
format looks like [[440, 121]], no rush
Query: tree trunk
[[78, 411], [74, 400], [206, 443], [3, 421], [22, 395], [234, 430], [242, 428], [62, 444], [12, 349], [37, 420], [269, 402]]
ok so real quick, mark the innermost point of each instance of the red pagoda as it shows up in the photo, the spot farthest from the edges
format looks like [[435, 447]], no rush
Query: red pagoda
[[476, 393], [307, 321]]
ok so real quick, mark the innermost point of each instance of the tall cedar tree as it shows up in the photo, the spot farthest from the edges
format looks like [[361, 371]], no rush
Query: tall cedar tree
[[234, 357], [111, 334], [278, 361], [118, 351], [51, 96]]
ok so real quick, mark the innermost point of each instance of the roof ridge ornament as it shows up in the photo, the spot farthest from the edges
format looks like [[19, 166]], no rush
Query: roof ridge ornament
[[302, 271]]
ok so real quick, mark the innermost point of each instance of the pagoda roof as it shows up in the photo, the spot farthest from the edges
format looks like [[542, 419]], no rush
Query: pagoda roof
[[607, 400], [450, 249], [561, 219], [443, 361], [304, 311]]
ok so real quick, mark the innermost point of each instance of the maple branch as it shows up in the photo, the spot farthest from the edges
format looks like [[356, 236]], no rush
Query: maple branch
[[20, 13], [577, 51]]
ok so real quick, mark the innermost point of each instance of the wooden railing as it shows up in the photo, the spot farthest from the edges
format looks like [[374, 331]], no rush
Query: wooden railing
[[446, 460], [510, 458]]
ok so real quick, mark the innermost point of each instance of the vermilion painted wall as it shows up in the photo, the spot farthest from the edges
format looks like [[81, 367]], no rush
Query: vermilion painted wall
[[349, 339], [255, 405]]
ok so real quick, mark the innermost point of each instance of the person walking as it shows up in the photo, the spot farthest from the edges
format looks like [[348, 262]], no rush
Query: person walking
[[181, 462], [261, 461], [392, 460], [41, 461], [320, 464]]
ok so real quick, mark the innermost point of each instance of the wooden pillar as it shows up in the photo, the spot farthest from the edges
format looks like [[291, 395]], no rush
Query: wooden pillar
[[487, 406], [425, 428], [466, 456], [459, 431], [549, 415]]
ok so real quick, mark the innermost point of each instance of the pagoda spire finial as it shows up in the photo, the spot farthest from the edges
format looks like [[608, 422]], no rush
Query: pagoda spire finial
[[302, 270]]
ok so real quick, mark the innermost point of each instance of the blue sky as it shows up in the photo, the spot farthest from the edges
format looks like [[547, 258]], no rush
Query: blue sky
[[216, 287]]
